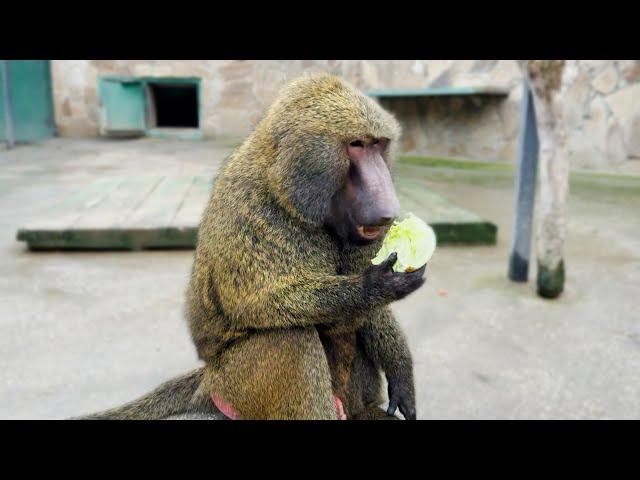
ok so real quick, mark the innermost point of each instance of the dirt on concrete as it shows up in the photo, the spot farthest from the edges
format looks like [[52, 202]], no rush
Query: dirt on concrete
[[81, 332]]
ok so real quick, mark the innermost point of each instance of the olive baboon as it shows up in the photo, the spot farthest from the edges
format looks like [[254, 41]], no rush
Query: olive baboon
[[284, 305]]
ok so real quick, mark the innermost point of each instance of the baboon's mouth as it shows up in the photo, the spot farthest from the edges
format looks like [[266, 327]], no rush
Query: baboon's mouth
[[369, 232]]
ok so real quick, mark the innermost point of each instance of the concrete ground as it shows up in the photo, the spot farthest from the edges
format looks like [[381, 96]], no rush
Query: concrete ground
[[85, 331]]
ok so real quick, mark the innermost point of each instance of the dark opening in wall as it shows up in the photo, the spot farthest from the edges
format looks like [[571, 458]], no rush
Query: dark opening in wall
[[173, 105]]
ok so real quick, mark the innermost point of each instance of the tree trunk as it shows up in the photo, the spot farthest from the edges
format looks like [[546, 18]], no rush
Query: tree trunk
[[545, 78]]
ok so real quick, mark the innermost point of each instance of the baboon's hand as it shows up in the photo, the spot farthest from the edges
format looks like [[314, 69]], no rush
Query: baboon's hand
[[382, 280], [401, 394]]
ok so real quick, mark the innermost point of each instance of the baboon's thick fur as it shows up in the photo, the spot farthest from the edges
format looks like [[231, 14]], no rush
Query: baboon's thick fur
[[274, 299]]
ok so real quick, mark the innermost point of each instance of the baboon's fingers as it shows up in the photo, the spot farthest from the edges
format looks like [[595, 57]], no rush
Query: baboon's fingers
[[393, 406], [409, 413], [389, 262]]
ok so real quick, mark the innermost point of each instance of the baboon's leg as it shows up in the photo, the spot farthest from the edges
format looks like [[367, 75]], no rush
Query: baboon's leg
[[365, 383], [341, 349], [372, 392], [276, 374]]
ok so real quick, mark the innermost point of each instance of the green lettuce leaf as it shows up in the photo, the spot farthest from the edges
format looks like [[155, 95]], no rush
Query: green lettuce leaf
[[412, 239]]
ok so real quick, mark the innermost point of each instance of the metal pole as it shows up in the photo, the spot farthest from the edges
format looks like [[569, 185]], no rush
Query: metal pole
[[8, 114], [525, 189]]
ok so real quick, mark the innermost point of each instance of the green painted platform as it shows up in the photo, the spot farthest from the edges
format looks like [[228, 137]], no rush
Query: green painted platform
[[129, 213], [146, 212], [452, 223]]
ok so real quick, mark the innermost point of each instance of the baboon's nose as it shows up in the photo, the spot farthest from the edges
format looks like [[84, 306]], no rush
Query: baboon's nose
[[390, 208]]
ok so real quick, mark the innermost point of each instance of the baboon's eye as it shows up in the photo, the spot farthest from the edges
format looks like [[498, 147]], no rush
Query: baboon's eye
[[376, 141], [357, 143], [382, 143]]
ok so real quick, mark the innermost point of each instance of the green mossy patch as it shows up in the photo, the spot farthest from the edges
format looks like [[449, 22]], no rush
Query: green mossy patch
[[550, 280], [133, 239], [455, 171], [606, 186], [455, 163]]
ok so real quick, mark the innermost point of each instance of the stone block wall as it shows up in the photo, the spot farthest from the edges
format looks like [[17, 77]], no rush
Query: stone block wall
[[601, 97]]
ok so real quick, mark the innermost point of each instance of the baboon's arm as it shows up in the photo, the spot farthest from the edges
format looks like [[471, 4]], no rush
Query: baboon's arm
[[303, 298], [300, 300], [386, 345]]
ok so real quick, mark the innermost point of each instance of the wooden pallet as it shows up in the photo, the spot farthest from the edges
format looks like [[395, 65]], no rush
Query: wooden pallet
[[129, 213], [452, 223], [145, 212]]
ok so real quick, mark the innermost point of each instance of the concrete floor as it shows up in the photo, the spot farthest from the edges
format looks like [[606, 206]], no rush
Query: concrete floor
[[85, 331]]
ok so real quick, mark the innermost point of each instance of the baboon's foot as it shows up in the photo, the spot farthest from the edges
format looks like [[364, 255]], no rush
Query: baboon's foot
[[374, 412]]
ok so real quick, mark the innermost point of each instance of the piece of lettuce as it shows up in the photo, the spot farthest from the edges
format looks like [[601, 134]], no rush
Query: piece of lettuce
[[412, 239]]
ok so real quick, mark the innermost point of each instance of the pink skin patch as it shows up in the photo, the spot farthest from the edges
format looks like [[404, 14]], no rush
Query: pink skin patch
[[339, 408], [227, 409]]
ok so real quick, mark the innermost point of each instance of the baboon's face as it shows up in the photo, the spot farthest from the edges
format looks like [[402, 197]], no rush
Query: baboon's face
[[366, 203]]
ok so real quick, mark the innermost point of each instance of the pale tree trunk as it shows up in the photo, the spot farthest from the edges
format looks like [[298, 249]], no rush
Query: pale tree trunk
[[545, 79]]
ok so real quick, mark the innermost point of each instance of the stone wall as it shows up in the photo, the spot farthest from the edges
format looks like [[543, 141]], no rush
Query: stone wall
[[602, 101], [234, 94], [602, 111]]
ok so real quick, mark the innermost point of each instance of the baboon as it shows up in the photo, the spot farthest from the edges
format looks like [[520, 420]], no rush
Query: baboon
[[284, 306]]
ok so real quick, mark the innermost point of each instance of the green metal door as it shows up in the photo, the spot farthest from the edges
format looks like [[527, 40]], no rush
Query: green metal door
[[30, 100], [123, 106]]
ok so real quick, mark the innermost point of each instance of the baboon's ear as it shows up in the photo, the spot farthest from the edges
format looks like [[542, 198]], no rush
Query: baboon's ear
[[306, 175]]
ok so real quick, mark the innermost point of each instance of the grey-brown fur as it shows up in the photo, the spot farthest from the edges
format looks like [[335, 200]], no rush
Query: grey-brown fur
[[267, 275], [278, 306], [178, 396]]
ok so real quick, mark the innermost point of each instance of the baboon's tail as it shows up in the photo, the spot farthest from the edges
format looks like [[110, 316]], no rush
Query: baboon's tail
[[174, 398]]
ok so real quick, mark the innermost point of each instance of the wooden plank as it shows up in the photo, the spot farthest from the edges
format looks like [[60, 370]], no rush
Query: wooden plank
[[433, 208], [113, 210], [452, 223], [152, 212], [161, 205], [115, 239], [97, 217], [190, 212], [67, 211]]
